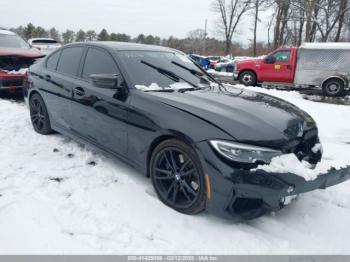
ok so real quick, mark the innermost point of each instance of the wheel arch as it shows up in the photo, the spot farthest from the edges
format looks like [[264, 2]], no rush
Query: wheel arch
[[250, 70], [171, 135], [343, 78], [33, 93]]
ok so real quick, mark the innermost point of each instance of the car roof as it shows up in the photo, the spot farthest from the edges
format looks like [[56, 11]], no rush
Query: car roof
[[124, 46], [6, 32]]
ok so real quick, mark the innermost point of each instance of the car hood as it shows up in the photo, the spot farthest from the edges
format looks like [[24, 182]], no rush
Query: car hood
[[28, 53], [249, 61], [246, 116]]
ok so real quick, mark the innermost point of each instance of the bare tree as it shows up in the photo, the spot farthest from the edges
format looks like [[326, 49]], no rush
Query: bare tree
[[269, 26], [347, 25], [344, 4], [298, 20], [332, 12], [322, 16], [308, 9], [230, 13], [258, 6], [196, 38], [282, 15]]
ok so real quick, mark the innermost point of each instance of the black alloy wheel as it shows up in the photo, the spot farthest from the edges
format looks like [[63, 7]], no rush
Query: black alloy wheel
[[39, 116], [177, 177]]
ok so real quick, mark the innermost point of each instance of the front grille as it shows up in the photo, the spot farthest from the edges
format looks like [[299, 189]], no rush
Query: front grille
[[15, 63], [11, 82]]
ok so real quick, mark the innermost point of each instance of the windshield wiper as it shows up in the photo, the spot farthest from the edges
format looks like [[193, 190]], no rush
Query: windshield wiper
[[192, 71], [196, 73], [170, 75], [200, 75]]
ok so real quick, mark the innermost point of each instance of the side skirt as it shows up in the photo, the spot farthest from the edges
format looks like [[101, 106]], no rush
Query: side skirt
[[98, 148]]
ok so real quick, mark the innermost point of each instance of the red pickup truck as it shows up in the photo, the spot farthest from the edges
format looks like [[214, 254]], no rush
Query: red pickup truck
[[15, 58], [314, 65]]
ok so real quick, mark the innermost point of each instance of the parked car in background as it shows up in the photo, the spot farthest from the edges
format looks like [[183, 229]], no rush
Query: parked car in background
[[213, 61], [228, 67], [317, 65], [228, 64], [45, 45], [214, 58], [16, 56], [157, 110], [203, 61]]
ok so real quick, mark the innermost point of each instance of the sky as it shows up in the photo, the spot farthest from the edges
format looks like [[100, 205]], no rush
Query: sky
[[157, 17]]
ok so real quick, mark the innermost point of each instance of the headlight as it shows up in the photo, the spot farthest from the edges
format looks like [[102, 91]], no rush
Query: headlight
[[244, 153]]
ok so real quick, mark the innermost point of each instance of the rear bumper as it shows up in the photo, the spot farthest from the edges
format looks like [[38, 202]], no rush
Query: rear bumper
[[243, 194]]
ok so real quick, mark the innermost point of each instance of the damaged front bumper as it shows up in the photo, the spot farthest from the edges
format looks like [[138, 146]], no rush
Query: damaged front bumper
[[11, 82], [260, 192], [245, 194]]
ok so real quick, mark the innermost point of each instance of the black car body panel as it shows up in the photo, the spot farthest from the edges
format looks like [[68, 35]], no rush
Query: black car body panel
[[129, 123]]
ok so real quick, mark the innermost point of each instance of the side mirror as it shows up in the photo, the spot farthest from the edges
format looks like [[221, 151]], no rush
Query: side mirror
[[107, 81], [270, 60]]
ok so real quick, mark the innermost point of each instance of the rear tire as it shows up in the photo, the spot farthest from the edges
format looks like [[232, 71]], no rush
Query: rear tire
[[177, 177], [247, 78], [39, 115], [334, 87]]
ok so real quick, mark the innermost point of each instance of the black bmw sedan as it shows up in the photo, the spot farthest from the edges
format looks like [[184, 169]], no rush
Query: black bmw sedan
[[154, 108]]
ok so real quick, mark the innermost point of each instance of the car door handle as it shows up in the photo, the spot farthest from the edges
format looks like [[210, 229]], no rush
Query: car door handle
[[79, 91], [289, 67], [47, 77]]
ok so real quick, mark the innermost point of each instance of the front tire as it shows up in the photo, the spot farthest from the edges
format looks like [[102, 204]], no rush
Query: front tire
[[333, 87], [177, 177], [248, 78], [39, 115]]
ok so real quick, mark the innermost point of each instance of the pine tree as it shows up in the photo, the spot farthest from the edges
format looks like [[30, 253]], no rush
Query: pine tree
[[81, 36], [103, 35]]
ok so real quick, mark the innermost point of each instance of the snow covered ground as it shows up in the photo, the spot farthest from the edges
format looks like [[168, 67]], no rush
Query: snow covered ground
[[54, 200]]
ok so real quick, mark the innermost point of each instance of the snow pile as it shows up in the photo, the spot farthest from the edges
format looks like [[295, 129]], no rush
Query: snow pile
[[21, 71], [290, 164], [156, 87], [152, 87]]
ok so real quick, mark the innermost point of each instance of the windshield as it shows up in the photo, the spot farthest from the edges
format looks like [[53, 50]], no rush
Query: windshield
[[13, 41], [152, 70]]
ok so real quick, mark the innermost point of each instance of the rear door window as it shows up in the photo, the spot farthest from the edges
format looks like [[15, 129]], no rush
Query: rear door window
[[51, 62], [70, 60]]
